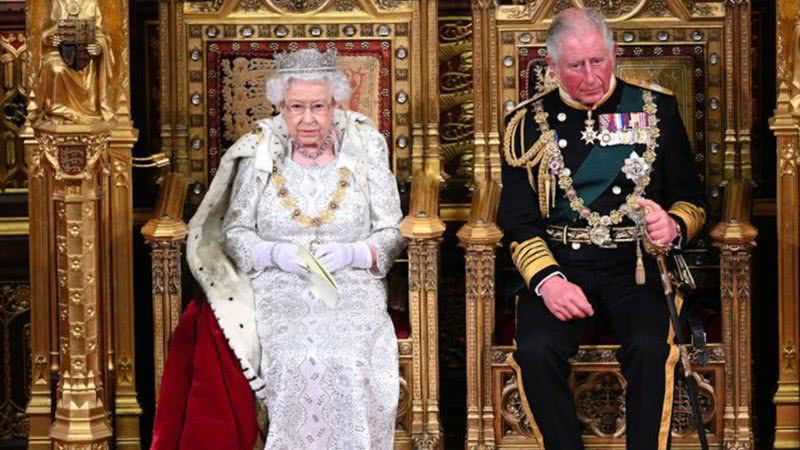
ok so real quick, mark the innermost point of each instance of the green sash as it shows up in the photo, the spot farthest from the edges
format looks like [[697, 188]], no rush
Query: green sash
[[601, 167]]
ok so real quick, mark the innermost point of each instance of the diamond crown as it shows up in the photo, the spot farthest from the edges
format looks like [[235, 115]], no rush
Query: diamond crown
[[309, 60]]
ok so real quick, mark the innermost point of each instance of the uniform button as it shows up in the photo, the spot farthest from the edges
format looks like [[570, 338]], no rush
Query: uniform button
[[562, 117], [616, 190], [576, 245], [562, 143]]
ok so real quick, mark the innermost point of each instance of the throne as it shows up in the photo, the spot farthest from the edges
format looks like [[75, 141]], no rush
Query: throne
[[224, 55], [683, 48]]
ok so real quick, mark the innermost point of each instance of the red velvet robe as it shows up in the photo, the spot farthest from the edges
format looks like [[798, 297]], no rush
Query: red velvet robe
[[205, 402]]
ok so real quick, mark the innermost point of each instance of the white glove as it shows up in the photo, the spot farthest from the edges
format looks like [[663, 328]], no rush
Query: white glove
[[282, 255], [338, 255]]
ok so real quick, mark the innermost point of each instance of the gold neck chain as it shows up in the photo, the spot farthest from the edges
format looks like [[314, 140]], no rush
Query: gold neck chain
[[599, 232], [301, 217]]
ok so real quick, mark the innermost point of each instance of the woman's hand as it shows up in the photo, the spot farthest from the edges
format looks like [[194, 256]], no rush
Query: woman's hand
[[282, 255], [335, 256]]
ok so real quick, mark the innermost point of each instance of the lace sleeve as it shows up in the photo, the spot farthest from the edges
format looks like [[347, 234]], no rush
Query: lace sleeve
[[239, 224], [384, 205]]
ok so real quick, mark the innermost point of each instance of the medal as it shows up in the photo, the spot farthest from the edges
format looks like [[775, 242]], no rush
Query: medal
[[589, 135]]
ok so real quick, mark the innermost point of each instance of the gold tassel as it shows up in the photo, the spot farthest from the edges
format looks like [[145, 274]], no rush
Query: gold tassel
[[640, 276], [546, 212], [531, 181]]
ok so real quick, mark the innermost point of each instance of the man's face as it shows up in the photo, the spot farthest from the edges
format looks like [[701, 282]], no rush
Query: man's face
[[585, 66], [308, 110]]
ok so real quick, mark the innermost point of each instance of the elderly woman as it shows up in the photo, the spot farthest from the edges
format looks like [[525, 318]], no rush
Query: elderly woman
[[312, 179]]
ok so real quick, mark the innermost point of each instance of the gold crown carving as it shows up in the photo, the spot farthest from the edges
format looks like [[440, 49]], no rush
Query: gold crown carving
[[309, 60]]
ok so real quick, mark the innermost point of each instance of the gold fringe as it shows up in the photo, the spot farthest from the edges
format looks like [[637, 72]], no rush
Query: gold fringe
[[640, 274]]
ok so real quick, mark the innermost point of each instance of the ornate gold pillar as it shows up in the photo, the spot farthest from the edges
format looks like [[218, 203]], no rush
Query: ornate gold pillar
[[430, 52], [424, 229], [735, 237], [481, 237], [120, 226], [81, 224], [74, 159], [487, 115], [166, 234], [43, 353], [786, 126]]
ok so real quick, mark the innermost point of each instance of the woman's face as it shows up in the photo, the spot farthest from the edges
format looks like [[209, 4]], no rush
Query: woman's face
[[308, 110]]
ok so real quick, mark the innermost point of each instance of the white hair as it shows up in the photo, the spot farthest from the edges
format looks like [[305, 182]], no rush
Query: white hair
[[574, 21], [279, 84]]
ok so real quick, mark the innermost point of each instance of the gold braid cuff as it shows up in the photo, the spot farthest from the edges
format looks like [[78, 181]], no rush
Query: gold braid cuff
[[694, 217], [531, 257]]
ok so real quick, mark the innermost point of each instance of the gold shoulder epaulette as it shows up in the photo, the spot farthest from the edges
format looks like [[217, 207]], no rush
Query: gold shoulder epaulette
[[649, 86], [530, 100]]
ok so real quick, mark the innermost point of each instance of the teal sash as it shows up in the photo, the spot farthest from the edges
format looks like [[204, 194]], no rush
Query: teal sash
[[601, 167]]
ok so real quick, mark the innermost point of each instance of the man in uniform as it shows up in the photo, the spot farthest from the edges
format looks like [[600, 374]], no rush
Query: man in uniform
[[590, 170]]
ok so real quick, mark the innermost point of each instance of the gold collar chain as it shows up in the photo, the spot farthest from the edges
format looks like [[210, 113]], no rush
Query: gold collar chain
[[301, 217], [599, 231]]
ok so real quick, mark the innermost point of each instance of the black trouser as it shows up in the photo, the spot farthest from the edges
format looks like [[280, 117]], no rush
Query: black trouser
[[640, 320]]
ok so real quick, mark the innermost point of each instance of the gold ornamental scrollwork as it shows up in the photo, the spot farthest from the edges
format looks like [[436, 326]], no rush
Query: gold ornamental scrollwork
[[298, 6], [403, 404], [789, 356], [72, 156], [600, 403], [789, 159], [683, 423], [426, 442], [512, 409]]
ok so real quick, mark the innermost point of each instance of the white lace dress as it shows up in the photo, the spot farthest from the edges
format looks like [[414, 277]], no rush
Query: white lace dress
[[331, 374]]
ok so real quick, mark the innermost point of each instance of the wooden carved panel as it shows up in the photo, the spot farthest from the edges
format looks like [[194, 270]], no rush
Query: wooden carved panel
[[456, 107], [599, 391], [15, 359], [13, 104]]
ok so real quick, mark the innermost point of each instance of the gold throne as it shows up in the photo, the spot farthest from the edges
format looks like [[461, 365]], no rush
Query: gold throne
[[690, 49], [218, 55]]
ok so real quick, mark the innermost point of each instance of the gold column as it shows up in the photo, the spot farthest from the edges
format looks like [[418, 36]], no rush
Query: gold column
[[75, 159], [43, 294], [786, 126], [481, 237], [165, 234], [735, 238], [424, 229], [480, 82], [433, 157], [81, 213], [44, 353], [119, 216]]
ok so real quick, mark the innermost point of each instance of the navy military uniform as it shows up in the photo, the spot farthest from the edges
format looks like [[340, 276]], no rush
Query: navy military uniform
[[546, 237]]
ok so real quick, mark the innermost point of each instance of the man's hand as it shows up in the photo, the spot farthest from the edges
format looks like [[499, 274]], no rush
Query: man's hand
[[565, 300], [661, 228], [55, 40]]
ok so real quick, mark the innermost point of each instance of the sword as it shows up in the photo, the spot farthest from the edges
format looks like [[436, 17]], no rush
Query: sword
[[668, 281]]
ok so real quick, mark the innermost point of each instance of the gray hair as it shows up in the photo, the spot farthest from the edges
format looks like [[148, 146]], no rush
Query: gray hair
[[279, 84], [574, 20]]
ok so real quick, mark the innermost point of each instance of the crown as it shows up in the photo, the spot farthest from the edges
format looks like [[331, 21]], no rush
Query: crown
[[309, 60]]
